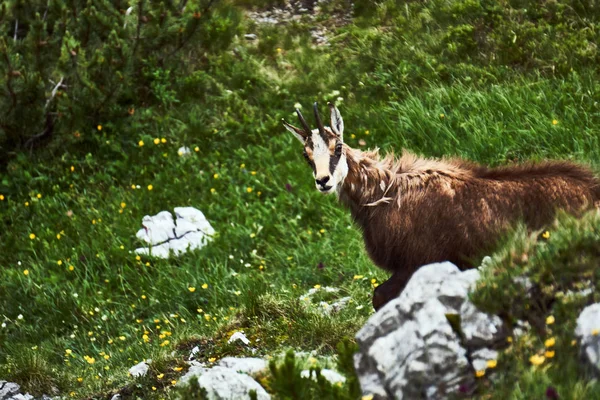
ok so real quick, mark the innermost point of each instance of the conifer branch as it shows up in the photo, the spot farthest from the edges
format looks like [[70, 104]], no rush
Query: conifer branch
[[59, 84], [191, 34]]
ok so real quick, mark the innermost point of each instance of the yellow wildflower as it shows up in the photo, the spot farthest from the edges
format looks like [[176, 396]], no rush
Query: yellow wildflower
[[550, 342], [317, 286], [480, 373], [357, 277], [32, 236], [196, 149], [205, 286], [163, 140], [549, 353], [156, 141], [492, 363], [59, 262], [216, 176], [80, 379], [595, 332], [89, 359], [121, 337], [554, 122], [546, 235], [537, 359], [173, 382], [140, 143], [123, 205], [26, 272], [367, 397], [550, 320], [71, 268], [160, 376], [39, 195], [249, 189], [192, 289], [212, 359], [26, 204], [150, 187], [177, 369], [58, 236], [99, 127], [1, 197]]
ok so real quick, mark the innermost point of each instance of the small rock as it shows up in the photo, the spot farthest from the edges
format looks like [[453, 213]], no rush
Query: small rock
[[587, 332], [332, 376], [191, 230], [184, 151], [250, 36], [224, 384], [246, 365], [140, 369], [193, 353], [239, 336]]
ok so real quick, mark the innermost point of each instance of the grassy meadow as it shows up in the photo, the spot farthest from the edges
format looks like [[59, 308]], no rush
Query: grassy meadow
[[491, 81]]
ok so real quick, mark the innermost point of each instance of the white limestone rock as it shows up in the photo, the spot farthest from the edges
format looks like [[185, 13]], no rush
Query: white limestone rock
[[189, 231], [239, 336], [481, 357], [224, 384], [330, 375], [587, 332], [245, 365], [11, 391], [140, 369], [409, 350]]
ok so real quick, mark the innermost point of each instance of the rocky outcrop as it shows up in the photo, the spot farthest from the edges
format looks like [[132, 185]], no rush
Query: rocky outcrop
[[427, 343], [587, 332]]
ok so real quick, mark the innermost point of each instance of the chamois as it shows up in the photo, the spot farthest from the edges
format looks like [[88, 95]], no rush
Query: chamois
[[414, 211]]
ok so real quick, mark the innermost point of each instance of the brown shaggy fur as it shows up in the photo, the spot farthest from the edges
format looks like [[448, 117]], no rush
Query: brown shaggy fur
[[414, 211]]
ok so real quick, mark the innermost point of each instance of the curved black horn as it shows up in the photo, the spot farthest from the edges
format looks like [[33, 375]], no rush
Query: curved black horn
[[303, 122], [319, 122]]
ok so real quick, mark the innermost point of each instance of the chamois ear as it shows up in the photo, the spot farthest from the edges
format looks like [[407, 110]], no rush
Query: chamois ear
[[337, 123], [297, 132]]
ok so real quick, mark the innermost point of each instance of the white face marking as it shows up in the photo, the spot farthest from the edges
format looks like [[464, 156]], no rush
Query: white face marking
[[321, 158]]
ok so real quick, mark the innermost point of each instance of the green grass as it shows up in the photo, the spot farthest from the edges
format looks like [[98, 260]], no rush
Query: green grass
[[403, 83]]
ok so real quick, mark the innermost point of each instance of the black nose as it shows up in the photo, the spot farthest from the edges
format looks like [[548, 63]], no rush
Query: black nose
[[322, 181]]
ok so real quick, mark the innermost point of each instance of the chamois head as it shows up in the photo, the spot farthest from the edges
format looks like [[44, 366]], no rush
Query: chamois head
[[323, 149]]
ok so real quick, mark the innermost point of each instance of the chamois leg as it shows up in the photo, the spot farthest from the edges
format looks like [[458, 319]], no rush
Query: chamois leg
[[391, 288]]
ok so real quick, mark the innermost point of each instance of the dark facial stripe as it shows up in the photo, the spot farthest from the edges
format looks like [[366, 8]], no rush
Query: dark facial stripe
[[335, 159]]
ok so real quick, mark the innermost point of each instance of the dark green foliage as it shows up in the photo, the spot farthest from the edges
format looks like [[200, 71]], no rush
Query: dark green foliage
[[191, 391], [490, 81], [287, 383], [559, 262], [69, 66]]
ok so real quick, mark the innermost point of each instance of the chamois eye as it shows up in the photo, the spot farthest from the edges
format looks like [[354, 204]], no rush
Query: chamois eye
[[338, 149], [305, 154]]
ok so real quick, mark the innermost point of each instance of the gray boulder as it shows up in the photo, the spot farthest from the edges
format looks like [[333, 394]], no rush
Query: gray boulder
[[222, 383], [10, 391], [409, 349], [587, 332]]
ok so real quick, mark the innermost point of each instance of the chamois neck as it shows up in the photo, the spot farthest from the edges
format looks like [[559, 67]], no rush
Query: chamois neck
[[369, 182]]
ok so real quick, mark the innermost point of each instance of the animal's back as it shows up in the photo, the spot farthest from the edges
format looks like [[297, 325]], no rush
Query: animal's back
[[457, 216]]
